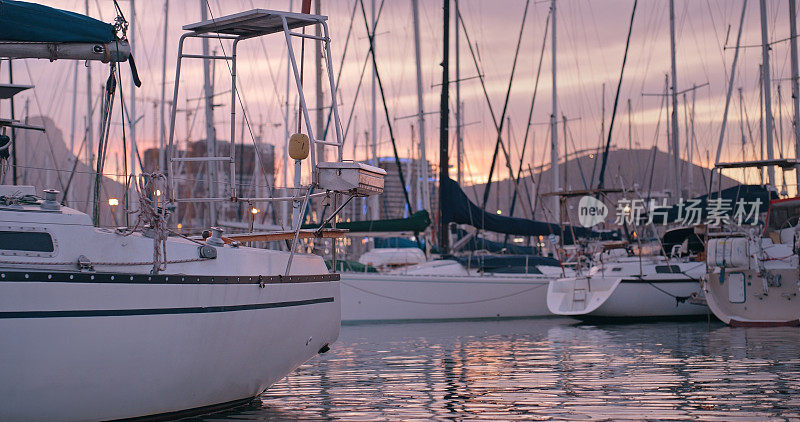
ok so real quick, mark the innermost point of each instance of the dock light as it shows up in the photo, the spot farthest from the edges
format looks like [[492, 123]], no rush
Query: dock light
[[113, 201], [254, 210], [627, 209], [180, 226], [158, 192], [499, 212]]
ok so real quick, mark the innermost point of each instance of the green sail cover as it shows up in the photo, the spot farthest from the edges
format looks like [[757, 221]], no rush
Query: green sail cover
[[29, 22], [417, 223]]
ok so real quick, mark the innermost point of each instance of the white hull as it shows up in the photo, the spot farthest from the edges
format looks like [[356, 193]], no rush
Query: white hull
[[384, 297], [87, 332], [98, 351], [744, 298], [606, 297]]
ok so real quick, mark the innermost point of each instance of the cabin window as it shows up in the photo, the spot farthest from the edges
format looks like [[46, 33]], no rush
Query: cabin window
[[668, 269], [616, 269], [26, 241]]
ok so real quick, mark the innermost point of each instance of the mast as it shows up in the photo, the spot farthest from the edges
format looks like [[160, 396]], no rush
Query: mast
[[741, 124], [284, 204], [554, 120], [675, 141], [444, 122], [73, 157], [131, 36], [765, 78], [795, 88], [459, 138], [373, 208], [89, 128], [630, 134], [423, 164], [602, 115], [730, 91], [761, 116], [13, 130], [320, 96], [161, 150], [211, 133], [74, 112], [692, 140]]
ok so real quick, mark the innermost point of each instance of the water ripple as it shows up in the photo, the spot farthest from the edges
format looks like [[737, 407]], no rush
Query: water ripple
[[545, 369]]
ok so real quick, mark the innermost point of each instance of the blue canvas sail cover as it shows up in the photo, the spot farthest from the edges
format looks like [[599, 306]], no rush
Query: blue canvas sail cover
[[30, 22], [457, 208]]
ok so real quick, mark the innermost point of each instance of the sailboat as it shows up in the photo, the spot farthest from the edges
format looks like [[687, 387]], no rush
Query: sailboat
[[138, 322], [753, 272], [628, 284], [467, 287], [753, 278]]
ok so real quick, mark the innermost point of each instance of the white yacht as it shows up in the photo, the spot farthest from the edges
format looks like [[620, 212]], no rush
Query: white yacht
[[753, 277], [105, 323], [90, 332], [620, 286], [446, 289]]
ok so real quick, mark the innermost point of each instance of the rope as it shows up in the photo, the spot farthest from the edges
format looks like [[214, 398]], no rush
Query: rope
[[678, 299], [418, 302], [18, 200]]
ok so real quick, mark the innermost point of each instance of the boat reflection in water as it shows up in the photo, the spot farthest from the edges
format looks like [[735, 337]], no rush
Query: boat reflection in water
[[545, 369]]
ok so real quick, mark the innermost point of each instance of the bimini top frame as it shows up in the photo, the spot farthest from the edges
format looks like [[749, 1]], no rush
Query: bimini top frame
[[237, 27]]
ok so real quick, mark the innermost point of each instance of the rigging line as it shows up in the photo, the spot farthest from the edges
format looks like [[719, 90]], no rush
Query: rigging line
[[341, 64], [577, 159], [125, 195], [528, 129], [616, 99], [46, 134], [498, 125], [360, 81], [106, 114], [371, 35], [75, 161], [131, 123]]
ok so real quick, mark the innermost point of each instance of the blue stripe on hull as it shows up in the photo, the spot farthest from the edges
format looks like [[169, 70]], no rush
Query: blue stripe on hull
[[158, 311]]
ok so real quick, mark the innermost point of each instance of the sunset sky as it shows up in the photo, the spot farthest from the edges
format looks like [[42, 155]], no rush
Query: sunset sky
[[590, 36]]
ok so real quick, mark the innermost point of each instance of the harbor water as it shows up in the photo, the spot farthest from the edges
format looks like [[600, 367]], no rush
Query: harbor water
[[543, 369]]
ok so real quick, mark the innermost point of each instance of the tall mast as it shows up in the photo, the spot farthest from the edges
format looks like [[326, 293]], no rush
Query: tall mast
[[444, 122], [89, 123], [692, 140], [163, 122], [285, 205], [211, 133], [554, 120], [630, 135], [795, 88], [602, 116], [72, 127], [320, 96], [131, 36], [74, 111], [767, 89], [675, 141], [459, 138], [423, 164], [730, 90], [373, 206]]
